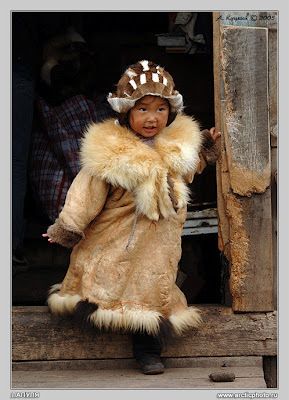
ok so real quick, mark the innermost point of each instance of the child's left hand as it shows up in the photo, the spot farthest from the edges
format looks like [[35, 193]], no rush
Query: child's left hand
[[45, 235], [214, 134], [211, 149]]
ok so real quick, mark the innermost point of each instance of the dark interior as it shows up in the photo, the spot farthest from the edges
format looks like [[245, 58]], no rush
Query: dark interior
[[118, 39]]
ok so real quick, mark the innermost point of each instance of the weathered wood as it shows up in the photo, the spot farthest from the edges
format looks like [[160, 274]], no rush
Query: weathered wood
[[246, 377], [265, 19], [38, 336], [117, 363], [224, 230], [270, 371], [244, 55], [273, 63], [274, 203], [241, 102], [187, 231], [251, 279], [207, 213], [268, 20]]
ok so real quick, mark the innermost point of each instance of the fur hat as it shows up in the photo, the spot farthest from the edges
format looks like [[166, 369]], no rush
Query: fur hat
[[142, 79]]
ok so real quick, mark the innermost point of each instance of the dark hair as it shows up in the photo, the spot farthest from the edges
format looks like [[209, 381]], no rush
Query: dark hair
[[123, 118]]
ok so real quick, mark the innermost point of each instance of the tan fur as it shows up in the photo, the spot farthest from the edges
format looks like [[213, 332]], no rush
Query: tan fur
[[64, 235], [126, 264], [114, 154]]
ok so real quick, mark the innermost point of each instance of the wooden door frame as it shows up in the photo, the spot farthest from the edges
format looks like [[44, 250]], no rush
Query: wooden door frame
[[251, 263]]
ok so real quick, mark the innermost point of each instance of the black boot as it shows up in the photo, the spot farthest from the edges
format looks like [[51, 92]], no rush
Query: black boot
[[147, 350]]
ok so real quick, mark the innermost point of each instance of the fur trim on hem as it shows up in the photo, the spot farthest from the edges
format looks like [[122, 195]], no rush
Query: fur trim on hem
[[189, 318], [128, 320], [61, 304], [151, 322]]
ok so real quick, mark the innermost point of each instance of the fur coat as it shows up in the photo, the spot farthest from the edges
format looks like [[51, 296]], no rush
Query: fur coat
[[124, 215]]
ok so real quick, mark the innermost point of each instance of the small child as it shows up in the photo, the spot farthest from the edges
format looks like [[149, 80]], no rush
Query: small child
[[124, 215]]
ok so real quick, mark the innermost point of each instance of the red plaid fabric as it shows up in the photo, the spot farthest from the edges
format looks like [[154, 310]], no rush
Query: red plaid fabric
[[54, 159]]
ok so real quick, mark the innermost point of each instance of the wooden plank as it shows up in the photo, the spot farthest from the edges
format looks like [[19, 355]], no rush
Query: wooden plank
[[274, 203], [270, 371], [246, 377], [223, 231], [273, 86], [199, 231], [245, 166], [207, 213], [244, 55], [183, 362], [251, 279], [265, 19], [38, 336], [201, 222]]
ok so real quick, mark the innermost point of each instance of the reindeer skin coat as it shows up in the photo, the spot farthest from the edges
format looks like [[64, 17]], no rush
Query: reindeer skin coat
[[125, 211]]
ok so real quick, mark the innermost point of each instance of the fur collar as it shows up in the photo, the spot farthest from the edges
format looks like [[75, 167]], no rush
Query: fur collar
[[156, 174]]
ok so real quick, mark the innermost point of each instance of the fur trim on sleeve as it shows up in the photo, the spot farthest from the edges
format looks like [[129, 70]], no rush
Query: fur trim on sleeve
[[209, 150], [63, 235]]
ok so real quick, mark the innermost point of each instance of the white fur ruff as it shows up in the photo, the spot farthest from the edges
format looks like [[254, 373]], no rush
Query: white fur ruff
[[116, 155], [123, 105], [125, 318]]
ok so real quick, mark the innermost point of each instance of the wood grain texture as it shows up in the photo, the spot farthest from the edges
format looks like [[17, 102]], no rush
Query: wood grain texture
[[274, 204], [251, 279], [179, 378], [117, 363], [265, 19], [221, 165], [273, 86], [244, 56], [269, 20], [270, 371], [38, 336], [244, 170]]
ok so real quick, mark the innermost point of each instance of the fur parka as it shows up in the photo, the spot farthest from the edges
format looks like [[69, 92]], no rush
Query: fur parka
[[125, 211]]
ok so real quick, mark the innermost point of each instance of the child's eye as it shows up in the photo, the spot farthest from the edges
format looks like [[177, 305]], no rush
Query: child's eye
[[142, 109], [162, 109]]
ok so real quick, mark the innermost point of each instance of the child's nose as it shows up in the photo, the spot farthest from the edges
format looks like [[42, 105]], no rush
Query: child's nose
[[152, 116]]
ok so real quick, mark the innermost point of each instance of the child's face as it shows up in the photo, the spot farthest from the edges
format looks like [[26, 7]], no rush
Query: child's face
[[149, 115]]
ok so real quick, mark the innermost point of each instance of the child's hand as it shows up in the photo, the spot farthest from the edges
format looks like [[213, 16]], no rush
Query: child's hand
[[214, 134], [49, 239]]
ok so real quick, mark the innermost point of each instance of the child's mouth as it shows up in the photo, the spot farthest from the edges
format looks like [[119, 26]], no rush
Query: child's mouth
[[150, 128]]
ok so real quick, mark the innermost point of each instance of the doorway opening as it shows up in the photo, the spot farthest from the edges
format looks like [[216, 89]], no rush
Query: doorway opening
[[183, 44]]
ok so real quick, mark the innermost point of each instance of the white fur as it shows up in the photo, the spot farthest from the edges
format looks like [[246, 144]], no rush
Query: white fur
[[145, 65], [62, 304], [133, 320], [127, 318], [54, 288], [133, 84], [189, 318], [155, 77], [123, 105], [130, 73], [143, 79]]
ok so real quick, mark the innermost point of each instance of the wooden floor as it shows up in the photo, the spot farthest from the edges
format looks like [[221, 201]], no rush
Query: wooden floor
[[113, 374], [48, 352]]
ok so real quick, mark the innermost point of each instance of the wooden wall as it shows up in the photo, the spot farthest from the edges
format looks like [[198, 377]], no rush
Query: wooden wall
[[245, 68]]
